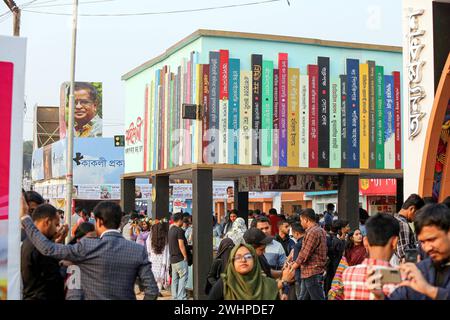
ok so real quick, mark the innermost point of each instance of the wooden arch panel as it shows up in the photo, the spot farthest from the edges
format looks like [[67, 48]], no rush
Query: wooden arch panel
[[436, 120]]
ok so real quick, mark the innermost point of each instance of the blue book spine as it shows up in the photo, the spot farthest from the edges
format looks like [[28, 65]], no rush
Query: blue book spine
[[233, 110], [389, 123], [353, 113]]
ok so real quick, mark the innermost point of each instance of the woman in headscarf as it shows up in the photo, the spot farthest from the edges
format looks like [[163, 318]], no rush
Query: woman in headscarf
[[243, 278], [237, 231], [219, 264]]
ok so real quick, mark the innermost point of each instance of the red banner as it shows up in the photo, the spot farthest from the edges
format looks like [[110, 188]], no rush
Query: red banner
[[378, 187], [6, 94]]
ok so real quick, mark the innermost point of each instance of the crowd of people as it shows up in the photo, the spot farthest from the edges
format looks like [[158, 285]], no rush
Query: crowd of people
[[305, 256]]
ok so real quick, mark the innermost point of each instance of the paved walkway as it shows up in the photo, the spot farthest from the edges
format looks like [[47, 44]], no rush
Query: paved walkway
[[165, 295]]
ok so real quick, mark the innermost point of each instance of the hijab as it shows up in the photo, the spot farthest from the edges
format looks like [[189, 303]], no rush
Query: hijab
[[223, 252], [237, 231], [255, 285]]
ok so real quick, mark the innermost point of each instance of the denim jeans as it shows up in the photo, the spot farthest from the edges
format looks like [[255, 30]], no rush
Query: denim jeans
[[179, 279], [312, 288]]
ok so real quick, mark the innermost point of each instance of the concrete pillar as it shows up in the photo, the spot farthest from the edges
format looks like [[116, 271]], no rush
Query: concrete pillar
[[202, 212], [348, 199], [160, 204], [399, 199], [127, 194], [241, 202]]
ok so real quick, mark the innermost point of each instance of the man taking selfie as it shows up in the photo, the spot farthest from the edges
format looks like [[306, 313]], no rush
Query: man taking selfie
[[381, 241], [430, 278]]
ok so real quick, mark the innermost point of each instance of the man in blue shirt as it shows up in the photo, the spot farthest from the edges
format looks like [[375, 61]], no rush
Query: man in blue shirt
[[274, 253], [430, 278], [328, 215]]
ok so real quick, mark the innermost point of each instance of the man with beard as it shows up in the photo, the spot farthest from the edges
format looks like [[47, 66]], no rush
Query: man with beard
[[430, 278]]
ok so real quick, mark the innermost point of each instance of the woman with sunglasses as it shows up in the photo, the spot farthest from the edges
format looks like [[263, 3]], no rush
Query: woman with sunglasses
[[243, 278]]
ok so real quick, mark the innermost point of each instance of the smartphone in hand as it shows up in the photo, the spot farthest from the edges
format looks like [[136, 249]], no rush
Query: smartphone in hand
[[411, 255], [388, 275]]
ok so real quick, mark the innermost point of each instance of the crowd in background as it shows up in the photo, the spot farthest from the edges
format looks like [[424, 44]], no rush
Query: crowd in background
[[303, 256]]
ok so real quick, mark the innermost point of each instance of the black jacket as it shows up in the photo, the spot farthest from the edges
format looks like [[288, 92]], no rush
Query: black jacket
[[41, 275]]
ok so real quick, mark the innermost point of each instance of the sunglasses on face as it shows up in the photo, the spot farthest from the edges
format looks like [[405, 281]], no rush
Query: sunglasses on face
[[245, 257]]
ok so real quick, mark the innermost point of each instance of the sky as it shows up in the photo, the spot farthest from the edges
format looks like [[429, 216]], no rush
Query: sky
[[108, 47]]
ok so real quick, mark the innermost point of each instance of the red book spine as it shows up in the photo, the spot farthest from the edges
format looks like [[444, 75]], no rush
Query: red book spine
[[313, 73], [223, 83], [398, 120], [146, 128], [205, 103]]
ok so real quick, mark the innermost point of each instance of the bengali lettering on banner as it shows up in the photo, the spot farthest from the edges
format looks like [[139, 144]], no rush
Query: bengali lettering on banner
[[12, 81]]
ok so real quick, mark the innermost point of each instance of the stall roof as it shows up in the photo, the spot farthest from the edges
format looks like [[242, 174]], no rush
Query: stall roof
[[230, 172], [254, 36]]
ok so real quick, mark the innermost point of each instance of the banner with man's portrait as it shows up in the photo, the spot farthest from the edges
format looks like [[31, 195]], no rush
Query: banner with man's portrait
[[88, 112]]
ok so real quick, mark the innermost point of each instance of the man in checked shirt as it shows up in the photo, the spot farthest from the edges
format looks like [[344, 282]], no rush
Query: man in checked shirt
[[407, 239], [381, 241], [312, 257]]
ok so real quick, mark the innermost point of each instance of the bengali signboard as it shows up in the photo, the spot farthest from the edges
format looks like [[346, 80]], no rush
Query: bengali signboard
[[12, 81]]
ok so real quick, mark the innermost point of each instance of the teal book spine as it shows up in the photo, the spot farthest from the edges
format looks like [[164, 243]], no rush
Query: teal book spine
[[335, 123], [233, 111], [379, 111], [267, 113]]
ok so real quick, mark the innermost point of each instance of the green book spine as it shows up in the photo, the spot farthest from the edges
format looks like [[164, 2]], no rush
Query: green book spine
[[170, 129], [372, 116], [267, 113], [335, 124], [379, 97]]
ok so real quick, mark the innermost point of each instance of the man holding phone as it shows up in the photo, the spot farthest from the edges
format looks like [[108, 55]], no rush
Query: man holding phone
[[381, 241], [430, 278], [407, 239]]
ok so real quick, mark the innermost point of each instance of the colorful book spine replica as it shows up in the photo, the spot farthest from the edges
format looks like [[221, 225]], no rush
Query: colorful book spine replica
[[245, 141], [276, 121], [223, 106], [352, 113], [170, 117], [198, 101], [293, 117], [282, 103], [364, 115], [267, 113], [313, 73], [188, 132], [257, 107], [324, 111], [389, 144], [151, 103], [155, 121], [233, 113], [335, 124], [178, 132], [272, 117], [372, 117], [304, 121], [380, 111], [213, 154], [398, 120], [146, 112], [344, 143], [205, 114], [181, 120], [194, 99]]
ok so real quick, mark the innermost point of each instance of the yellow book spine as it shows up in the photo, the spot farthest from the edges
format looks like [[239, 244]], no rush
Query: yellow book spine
[[364, 115], [198, 126], [293, 117]]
